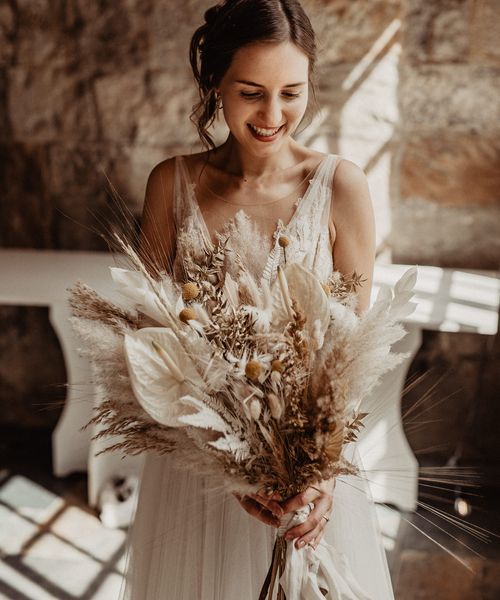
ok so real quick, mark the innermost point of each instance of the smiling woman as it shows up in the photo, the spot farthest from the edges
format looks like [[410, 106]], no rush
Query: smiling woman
[[253, 61], [234, 25], [263, 104]]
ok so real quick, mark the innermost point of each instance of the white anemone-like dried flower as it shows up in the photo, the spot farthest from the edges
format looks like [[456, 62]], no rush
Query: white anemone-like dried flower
[[297, 283], [160, 373]]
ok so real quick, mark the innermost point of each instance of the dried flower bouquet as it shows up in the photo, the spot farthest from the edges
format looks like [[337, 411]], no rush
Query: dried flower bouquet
[[259, 385]]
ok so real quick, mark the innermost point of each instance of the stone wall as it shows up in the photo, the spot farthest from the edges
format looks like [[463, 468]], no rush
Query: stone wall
[[94, 91], [448, 209]]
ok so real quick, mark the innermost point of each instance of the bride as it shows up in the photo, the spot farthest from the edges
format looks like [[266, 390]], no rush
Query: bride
[[253, 61]]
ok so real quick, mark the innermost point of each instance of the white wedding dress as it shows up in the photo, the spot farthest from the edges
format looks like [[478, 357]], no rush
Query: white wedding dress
[[192, 542]]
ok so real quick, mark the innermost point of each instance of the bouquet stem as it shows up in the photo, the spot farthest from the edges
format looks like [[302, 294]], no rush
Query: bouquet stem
[[279, 558], [275, 571]]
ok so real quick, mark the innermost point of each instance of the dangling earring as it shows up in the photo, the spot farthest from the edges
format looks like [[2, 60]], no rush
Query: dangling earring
[[218, 101]]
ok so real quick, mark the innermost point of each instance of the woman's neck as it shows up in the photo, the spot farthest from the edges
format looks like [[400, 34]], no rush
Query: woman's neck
[[237, 162]]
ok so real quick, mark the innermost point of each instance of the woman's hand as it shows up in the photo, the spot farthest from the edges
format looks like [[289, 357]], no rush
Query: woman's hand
[[263, 508], [312, 529]]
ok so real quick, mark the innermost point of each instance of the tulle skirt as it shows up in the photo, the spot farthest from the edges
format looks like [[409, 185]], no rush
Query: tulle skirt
[[192, 542]]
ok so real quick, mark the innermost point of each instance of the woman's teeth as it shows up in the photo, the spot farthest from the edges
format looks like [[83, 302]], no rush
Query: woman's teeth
[[264, 132]]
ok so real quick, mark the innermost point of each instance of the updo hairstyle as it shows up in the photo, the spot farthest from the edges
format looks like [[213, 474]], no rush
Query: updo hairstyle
[[229, 26]]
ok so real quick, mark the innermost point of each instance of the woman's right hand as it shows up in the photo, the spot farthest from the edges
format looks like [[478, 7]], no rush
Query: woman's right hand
[[263, 508]]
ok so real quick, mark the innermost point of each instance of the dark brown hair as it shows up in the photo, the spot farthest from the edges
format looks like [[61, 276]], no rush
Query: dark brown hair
[[229, 26]]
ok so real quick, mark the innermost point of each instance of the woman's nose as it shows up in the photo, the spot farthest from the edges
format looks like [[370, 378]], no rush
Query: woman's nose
[[271, 113]]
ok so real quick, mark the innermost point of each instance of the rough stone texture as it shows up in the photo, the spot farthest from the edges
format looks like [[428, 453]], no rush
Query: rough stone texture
[[458, 96], [477, 228], [485, 32], [51, 202], [347, 30], [25, 215], [45, 106], [7, 31], [437, 31], [450, 119]]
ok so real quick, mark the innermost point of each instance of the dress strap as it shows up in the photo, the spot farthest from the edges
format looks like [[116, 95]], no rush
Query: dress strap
[[183, 201], [321, 192], [326, 220], [328, 191], [325, 177], [178, 188]]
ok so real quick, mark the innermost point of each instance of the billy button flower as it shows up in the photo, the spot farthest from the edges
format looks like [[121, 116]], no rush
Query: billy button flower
[[283, 241], [190, 291], [187, 314], [253, 369], [277, 365]]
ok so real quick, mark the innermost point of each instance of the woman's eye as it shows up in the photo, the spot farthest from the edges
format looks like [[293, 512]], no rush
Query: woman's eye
[[249, 95]]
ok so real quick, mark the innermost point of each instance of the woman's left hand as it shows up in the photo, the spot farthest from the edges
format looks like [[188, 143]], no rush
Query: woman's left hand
[[312, 529]]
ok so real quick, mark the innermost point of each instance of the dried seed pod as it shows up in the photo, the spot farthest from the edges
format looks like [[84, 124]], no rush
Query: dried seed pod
[[190, 291], [253, 369], [274, 405], [255, 408], [275, 377], [187, 314]]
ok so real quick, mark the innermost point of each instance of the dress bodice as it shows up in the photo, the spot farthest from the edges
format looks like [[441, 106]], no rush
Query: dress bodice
[[307, 231]]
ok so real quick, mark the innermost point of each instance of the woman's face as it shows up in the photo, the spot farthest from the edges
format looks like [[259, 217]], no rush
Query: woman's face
[[265, 88]]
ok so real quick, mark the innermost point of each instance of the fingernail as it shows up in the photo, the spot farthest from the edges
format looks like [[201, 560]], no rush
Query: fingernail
[[301, 543]]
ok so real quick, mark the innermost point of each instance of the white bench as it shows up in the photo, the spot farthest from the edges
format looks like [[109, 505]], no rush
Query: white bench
[[41, 278], [448, 300]]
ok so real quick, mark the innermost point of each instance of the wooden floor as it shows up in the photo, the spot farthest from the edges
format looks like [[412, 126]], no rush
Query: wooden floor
[[53, 546]]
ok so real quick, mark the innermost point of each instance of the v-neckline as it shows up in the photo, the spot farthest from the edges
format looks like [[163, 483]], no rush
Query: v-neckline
[[299, 203]]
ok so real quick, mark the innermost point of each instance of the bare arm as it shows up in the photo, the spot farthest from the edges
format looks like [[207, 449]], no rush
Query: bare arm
[[354, 221], [158, 233]]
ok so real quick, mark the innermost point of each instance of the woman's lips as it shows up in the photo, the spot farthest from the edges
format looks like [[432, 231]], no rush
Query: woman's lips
[[265, 138]]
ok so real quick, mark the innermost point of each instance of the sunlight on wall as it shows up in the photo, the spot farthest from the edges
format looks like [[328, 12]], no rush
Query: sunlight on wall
[[370, 117]]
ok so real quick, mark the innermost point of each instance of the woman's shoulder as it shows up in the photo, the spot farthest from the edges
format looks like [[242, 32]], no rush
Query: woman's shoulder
[[162, 176], [351, 199], [160, 185], [348, 175]]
